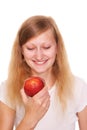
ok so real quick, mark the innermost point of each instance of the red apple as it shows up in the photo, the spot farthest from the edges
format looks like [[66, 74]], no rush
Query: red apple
[[33, 85]]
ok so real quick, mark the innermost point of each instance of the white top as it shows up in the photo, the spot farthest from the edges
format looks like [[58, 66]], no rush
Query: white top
[[54, 119]]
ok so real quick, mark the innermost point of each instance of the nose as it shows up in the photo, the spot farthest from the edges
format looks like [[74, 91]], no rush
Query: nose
[[39, 54]]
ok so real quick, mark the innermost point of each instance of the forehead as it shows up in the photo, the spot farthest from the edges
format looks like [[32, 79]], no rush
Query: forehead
[[43, 37]]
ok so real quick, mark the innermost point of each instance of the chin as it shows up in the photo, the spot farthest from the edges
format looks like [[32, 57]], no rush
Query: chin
[[38, 71], [42, 71]]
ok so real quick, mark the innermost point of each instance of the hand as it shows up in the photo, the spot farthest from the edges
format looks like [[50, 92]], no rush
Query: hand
[[36, 106]]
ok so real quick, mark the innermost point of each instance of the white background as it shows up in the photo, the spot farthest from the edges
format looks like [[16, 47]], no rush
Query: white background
[[71, 18]]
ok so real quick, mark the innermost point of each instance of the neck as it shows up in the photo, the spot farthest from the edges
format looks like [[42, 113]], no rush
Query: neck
[[48, 78]]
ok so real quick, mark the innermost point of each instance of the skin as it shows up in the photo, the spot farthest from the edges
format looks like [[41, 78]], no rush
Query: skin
[[39, 53], [82, 119], [40, 101]]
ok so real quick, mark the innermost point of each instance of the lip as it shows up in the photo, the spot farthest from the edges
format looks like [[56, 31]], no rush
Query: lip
[[40, 62]]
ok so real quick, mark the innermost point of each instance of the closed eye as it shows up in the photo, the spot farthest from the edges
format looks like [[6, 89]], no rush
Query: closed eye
[[30, 48], [48, 47]]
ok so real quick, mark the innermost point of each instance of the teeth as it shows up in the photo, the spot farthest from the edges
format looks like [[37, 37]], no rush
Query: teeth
[[39, 62]]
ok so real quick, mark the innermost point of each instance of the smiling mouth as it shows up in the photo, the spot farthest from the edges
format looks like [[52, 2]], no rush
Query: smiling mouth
[[40, 62]]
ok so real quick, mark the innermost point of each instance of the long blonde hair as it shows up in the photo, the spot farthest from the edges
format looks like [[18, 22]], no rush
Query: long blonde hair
[[18, 69]]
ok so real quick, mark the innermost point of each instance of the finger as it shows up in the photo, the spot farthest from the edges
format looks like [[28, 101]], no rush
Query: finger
[[41, 93], [46, 103]]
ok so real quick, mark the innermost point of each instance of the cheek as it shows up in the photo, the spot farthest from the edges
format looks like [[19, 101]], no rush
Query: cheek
[[27, 54], [52, 53]]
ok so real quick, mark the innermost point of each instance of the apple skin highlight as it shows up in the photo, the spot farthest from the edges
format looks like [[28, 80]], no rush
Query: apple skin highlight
[[33, 85]]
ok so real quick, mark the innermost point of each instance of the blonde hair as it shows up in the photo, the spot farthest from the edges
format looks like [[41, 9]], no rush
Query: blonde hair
[[19, 70]]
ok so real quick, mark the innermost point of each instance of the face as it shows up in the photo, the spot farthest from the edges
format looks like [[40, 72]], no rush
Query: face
[[40, 52]]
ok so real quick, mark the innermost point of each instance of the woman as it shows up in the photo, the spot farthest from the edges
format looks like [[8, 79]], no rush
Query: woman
[[39, 50]]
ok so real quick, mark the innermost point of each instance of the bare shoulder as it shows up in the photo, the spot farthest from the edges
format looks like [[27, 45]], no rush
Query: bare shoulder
[[7, 116], [82, 119]]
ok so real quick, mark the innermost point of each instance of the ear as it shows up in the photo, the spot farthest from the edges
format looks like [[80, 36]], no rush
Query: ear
[[56, 48], [22, 51]]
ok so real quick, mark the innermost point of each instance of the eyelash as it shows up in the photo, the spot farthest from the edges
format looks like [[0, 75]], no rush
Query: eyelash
[[47, 47], [30, 48], [43, 48]]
